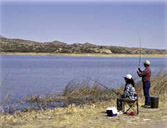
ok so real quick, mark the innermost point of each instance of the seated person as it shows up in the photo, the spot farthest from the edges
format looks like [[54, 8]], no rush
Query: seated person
[[129, 92]]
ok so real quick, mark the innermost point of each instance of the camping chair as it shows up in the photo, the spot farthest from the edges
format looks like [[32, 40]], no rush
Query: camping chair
[[132, 104]]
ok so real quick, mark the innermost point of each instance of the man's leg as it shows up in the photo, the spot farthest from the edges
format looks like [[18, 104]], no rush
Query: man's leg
[[146, 87]]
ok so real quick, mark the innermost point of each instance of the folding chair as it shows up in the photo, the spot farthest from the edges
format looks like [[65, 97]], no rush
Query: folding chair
[[132, 105]]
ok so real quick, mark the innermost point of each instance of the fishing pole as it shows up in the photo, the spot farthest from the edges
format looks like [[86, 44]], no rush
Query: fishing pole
[[140, 50], [113, 90]]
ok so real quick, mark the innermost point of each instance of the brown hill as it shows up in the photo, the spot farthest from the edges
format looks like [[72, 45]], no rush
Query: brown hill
[[20, 45]]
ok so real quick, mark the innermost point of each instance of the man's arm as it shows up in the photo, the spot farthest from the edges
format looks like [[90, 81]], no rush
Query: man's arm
[[145, 72]]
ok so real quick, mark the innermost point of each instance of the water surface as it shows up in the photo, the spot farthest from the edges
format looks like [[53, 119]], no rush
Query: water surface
[[25, 75]]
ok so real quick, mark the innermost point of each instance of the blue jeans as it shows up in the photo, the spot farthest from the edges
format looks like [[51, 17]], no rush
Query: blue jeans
[[146, 87]]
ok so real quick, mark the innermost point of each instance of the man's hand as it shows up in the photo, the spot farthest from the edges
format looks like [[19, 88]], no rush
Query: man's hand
[[139, 70]]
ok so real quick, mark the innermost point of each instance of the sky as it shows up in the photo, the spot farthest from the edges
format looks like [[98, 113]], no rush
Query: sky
[[98, 22]]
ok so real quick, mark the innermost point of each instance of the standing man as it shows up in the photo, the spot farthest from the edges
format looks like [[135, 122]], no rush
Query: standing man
[[146, 75]]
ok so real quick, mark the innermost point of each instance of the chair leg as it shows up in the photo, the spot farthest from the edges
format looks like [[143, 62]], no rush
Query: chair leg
[[123, 107], [130, 106], [137, 104]]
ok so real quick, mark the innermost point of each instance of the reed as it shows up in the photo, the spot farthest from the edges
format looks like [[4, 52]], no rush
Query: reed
[[77, 93], [80, 93], [89, 115]]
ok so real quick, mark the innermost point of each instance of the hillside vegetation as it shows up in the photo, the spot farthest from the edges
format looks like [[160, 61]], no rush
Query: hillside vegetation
[[19, 45]]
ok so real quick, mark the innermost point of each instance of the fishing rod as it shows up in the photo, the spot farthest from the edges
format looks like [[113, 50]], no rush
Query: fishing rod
[[140, 50], [111, 89]]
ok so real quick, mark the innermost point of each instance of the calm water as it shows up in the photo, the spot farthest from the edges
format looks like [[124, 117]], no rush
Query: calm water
[[24, 75]]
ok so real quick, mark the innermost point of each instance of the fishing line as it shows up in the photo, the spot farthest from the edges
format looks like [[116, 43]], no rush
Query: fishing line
[[3, 81], [94, 81], [111, 89]]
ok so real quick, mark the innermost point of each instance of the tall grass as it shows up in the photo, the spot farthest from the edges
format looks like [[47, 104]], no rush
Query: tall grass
[[79, 93], [158, 86]]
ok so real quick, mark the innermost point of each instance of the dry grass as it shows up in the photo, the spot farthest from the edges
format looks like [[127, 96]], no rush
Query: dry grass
[[81, 93], [158, 86], [84, 116], [77, 93], [82, 54], [93, 114]]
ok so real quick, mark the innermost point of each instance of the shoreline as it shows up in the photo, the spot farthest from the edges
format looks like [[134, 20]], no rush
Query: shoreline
[[93, 114], [81, 54]]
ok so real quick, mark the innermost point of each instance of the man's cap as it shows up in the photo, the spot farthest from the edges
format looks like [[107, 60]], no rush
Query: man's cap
[[147, 62]]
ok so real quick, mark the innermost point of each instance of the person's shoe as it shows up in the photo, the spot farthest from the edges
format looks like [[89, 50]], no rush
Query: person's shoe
[[145, 106]]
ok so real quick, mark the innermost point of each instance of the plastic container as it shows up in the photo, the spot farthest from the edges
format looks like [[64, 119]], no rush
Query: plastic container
[[111, 111]]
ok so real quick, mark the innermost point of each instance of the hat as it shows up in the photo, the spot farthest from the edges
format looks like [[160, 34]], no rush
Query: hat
[[128, 76], [147, 62]]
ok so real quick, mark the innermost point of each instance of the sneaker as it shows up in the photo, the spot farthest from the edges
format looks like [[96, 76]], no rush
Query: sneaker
[[145, 106], [120, 112], [142, 106]]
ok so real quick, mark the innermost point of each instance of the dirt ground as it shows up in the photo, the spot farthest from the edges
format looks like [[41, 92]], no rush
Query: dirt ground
[[86, 116]]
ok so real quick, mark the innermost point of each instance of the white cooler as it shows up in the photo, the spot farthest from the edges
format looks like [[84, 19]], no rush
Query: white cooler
[[111, 111]]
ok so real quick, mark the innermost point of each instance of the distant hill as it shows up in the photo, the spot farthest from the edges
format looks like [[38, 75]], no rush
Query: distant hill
[[1, 36], [19, 45]]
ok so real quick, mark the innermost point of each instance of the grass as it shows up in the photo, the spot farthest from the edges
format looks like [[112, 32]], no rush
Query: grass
[[92, 112], [84, 116], [77, 93], [158, 86], [84, 93]]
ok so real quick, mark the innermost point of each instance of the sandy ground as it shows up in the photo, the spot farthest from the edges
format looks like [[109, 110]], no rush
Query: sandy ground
[[86, 116], [82, 54]]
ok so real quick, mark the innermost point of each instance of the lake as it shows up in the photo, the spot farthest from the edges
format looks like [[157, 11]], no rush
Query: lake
[[25, 75]]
